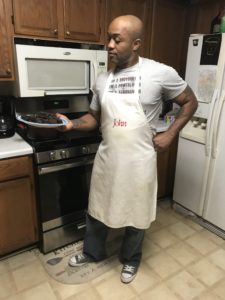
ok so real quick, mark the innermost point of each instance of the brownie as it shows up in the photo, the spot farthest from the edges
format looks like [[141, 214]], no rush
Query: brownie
[[42, 118]]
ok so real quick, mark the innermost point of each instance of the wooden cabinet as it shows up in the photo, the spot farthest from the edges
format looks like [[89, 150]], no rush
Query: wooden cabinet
[[6, 64], [166, 165], [139, 8], [18, 216], [80, 20], [35, 17], [168, 37], [84, 20]]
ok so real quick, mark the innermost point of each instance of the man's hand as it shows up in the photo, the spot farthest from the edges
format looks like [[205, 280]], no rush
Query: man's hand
[[68, 126], [188, 103], [87, 122], [162, 141]]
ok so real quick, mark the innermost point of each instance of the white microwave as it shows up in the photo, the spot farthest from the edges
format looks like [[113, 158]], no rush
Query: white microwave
[[46, 70]]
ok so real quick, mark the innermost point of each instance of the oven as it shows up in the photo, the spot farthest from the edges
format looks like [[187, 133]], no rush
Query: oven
[[63, 164], [63, 188]]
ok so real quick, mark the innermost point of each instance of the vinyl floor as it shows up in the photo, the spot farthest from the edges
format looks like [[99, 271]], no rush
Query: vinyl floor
[[181, 261]]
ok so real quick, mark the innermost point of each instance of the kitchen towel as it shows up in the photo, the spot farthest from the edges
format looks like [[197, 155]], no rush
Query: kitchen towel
[[56, 263]]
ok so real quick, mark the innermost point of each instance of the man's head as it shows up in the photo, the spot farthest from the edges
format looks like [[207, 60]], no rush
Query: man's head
[[124, 39]]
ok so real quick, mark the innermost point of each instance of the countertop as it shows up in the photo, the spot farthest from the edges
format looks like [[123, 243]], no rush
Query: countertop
[[14, 146], [161, 126]]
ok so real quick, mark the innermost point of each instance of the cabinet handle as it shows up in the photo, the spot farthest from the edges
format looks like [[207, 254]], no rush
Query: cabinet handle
[[67, 33], [8, 71], [55, 31]]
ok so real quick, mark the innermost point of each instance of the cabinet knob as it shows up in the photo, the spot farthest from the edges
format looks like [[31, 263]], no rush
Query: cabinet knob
[[67, 33], [55, 31], [8, 71]]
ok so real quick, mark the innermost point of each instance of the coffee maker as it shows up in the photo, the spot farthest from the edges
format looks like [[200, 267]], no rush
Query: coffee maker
[[7, 117]]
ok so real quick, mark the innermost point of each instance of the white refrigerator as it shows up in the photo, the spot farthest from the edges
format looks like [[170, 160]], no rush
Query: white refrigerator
[[199, 187]]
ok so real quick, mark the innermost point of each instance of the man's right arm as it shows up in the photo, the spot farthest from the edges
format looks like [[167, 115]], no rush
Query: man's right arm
[[87, 122]]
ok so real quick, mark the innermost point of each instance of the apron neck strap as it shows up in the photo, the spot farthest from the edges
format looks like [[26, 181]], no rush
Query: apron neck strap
[[111, 75]]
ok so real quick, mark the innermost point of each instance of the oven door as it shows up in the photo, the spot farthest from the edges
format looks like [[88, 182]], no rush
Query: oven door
[[63, 193], [64, 189]]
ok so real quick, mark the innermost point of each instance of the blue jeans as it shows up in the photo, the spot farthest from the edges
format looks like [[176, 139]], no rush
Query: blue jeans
[[95, 242]]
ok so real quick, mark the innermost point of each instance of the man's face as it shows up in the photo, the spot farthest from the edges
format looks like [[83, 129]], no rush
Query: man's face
[[120, 44]]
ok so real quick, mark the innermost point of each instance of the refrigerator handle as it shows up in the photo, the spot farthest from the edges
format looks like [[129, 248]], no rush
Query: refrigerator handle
[[209, 123], [217, 122]]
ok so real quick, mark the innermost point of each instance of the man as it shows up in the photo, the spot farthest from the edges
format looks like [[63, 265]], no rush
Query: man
[[126, 103]]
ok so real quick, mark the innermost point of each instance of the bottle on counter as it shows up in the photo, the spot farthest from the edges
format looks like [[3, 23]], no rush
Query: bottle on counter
[[216, 24], [222, 23]]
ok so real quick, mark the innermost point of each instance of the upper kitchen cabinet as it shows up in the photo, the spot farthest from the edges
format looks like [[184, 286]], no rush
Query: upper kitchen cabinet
[[139, 8], [83, 20], [168, 38], [36, 17], [77, 20], [6, 64]]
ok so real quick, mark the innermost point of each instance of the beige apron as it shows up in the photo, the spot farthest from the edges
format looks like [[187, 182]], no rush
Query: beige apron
[[124, 179]]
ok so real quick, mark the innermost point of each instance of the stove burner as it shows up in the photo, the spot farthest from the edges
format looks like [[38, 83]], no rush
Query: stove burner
[[60, 141]]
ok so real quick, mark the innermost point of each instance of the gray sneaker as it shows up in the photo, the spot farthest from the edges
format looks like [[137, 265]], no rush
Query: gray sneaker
[[128, 273], [79, 260]]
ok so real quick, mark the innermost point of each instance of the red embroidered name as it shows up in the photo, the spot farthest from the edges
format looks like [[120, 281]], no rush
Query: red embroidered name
[[119, 123]]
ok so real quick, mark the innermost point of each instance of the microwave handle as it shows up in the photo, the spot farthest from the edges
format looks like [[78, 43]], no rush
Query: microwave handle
[[64, 92], [95, 74]]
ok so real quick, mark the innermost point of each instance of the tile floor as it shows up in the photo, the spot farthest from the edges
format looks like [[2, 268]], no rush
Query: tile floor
[[181, 260]]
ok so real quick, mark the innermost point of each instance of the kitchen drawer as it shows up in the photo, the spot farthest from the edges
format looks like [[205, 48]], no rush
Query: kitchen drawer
[[14, 168]]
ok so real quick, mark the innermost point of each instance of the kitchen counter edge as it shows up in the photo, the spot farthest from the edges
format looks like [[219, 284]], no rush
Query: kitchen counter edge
[[14, 146]]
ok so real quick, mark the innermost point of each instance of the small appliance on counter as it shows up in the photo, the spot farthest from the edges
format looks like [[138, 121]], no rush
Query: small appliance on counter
[[7, 117]]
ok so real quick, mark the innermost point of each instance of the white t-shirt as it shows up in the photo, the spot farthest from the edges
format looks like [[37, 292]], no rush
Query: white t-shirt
[[158, 82]]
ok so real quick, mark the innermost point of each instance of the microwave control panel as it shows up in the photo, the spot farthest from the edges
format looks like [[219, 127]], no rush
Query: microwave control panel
[[102, 59]]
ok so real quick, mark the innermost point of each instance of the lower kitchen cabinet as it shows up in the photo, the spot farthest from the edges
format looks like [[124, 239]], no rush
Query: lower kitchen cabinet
[[166, 165], [18, 214]]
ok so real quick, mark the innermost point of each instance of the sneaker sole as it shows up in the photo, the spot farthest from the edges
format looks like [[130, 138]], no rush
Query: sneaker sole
[[127, 280], [77, 264]]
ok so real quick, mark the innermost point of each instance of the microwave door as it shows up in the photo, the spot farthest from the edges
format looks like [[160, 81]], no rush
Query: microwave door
[[58, 76], [44, 70]]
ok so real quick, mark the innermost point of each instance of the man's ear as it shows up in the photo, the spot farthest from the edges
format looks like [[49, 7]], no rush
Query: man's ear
[[136, 44]]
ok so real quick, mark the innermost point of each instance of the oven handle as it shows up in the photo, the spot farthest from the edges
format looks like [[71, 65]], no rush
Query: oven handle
[[55, 168]]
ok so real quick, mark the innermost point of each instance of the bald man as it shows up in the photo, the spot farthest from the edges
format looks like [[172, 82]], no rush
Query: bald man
[[126, 104]]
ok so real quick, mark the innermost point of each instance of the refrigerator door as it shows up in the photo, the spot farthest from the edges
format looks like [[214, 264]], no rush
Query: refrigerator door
[[202, 60], [195, 144], [214, 206], [193, 160], [193, 60], [191, 169]]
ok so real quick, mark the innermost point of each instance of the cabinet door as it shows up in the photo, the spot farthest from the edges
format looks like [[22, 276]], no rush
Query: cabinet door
[[18, 225], [139, 8], [168, 32], [166, 165], [5, 42], [162, 170], [36, 17], [83, 20]]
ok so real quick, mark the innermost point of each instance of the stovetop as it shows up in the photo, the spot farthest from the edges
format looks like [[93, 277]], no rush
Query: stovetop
[[61, 141]]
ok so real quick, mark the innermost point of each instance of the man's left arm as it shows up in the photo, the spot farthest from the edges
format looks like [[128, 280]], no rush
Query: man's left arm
[[188, 103]]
